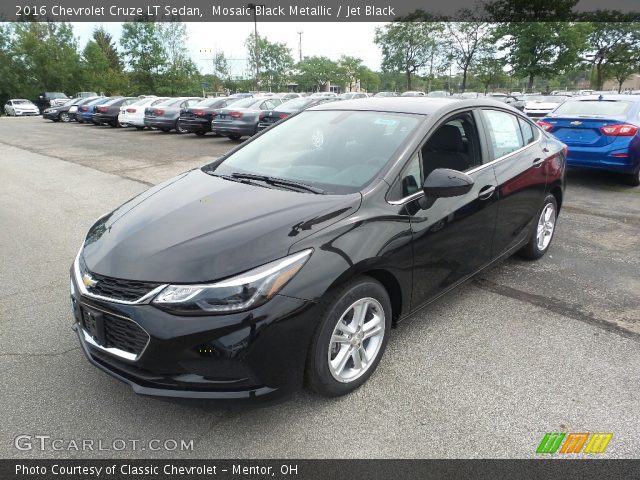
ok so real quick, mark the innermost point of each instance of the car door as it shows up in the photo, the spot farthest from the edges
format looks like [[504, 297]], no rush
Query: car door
[[518, 158], [452, 237]]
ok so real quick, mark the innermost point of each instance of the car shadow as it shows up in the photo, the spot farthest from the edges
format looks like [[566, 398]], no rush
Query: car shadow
[[591, 178]]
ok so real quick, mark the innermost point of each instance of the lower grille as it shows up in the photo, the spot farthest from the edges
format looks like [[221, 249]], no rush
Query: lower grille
[[111, 331]]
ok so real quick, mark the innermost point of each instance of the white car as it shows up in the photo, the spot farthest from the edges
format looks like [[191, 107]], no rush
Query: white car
[[132, 115], [538, 106], [353, 95], [18, 107]]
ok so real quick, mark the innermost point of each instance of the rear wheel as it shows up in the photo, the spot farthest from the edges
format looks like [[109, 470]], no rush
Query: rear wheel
[[542, 234], [633, 179], [235, 136], [350, 339], [180, 128]]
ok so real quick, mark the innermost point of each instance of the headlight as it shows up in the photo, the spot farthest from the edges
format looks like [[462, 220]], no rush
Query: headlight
[[244, 291]]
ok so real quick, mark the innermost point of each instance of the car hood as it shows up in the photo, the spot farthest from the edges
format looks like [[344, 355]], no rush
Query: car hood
[[199, 228]]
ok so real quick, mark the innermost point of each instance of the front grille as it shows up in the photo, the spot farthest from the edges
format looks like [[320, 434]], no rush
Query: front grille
[[111, 331], [116, 288]]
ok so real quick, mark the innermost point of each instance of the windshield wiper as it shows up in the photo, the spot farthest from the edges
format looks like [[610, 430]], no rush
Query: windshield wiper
[[278, 182]]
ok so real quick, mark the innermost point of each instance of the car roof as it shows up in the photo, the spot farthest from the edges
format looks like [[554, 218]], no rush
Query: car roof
[[416, 105], [624, 98]]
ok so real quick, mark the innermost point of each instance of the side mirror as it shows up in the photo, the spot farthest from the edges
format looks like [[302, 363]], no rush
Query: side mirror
[[443, 183]]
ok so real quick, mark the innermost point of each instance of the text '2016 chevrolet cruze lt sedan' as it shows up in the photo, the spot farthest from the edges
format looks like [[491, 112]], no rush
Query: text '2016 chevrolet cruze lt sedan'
[[289, 259]]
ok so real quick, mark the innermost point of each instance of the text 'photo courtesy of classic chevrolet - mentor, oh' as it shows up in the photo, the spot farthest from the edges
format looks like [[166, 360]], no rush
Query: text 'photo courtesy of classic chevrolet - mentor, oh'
[[287, 261]]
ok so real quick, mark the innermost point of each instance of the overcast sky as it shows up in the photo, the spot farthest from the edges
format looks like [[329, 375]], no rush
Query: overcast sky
[[328, 39]]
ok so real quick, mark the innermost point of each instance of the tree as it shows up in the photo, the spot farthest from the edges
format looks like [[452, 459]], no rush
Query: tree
[[468, 41], [410, 46], [179, 75], [607, 44], [274, 59], [144, 55], [315, 72], [9, 79], [45, 57], [626, 61], [536, 49], [102, 67], [489, 71]]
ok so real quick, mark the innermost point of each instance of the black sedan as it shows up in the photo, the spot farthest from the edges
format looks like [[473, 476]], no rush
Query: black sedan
[[107, 113], [197, 119], [289, 259], [288, 108], [60, 113]]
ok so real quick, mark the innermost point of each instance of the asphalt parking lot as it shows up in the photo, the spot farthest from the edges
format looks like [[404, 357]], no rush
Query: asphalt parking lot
[[525, 349]]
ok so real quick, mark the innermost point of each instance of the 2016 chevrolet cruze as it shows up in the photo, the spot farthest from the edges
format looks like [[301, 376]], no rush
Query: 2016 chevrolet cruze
[[289, 259]]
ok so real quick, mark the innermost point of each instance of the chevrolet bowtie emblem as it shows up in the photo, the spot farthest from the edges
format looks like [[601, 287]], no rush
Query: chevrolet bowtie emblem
[[577, 122], [88, 281]]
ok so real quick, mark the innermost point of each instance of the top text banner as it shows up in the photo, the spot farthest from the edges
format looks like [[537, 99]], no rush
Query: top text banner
[[315, 10]]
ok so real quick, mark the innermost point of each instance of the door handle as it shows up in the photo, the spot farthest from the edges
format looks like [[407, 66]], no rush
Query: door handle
[[486, 192], [537, 162]]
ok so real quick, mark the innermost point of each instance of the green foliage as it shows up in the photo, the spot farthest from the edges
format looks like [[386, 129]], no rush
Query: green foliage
[[469, 42], [537, 49], [274, 61], [45, 57], [102, 68], [315, 72], [144, 55], [409, 47]]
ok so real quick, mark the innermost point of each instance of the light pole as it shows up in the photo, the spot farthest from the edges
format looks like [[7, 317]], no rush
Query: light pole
[[256, 48], [300, 44]]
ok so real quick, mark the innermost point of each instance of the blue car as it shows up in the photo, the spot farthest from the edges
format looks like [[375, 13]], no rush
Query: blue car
[[601, 132], [86, 111]]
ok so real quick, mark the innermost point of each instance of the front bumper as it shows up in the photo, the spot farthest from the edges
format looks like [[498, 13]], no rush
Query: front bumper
[[241, 355], [27, 113], [50, 115]]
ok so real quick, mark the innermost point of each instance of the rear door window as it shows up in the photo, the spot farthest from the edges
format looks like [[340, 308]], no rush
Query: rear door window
[[528, 133], [504, 132]]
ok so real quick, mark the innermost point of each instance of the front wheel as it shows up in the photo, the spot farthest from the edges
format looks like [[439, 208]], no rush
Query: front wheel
[[543, 232], [350, 339], [64, 117]]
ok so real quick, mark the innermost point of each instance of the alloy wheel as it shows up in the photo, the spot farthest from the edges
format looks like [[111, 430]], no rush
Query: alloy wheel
[[356, 340], [546, 225]]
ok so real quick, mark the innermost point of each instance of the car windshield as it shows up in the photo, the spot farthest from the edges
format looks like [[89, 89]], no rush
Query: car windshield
[[70, 102], [337, 151], [595, 108], [22, 102]]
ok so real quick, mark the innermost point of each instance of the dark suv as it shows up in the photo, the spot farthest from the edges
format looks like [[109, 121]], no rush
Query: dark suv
[[50, 99]]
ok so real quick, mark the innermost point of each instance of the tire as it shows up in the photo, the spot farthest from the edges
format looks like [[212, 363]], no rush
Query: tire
[[180, 129], [139, 128], [165, 130], [325, 373], [64, 117], [633, 179], [542, 233], [235, 136], [200, 133]]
